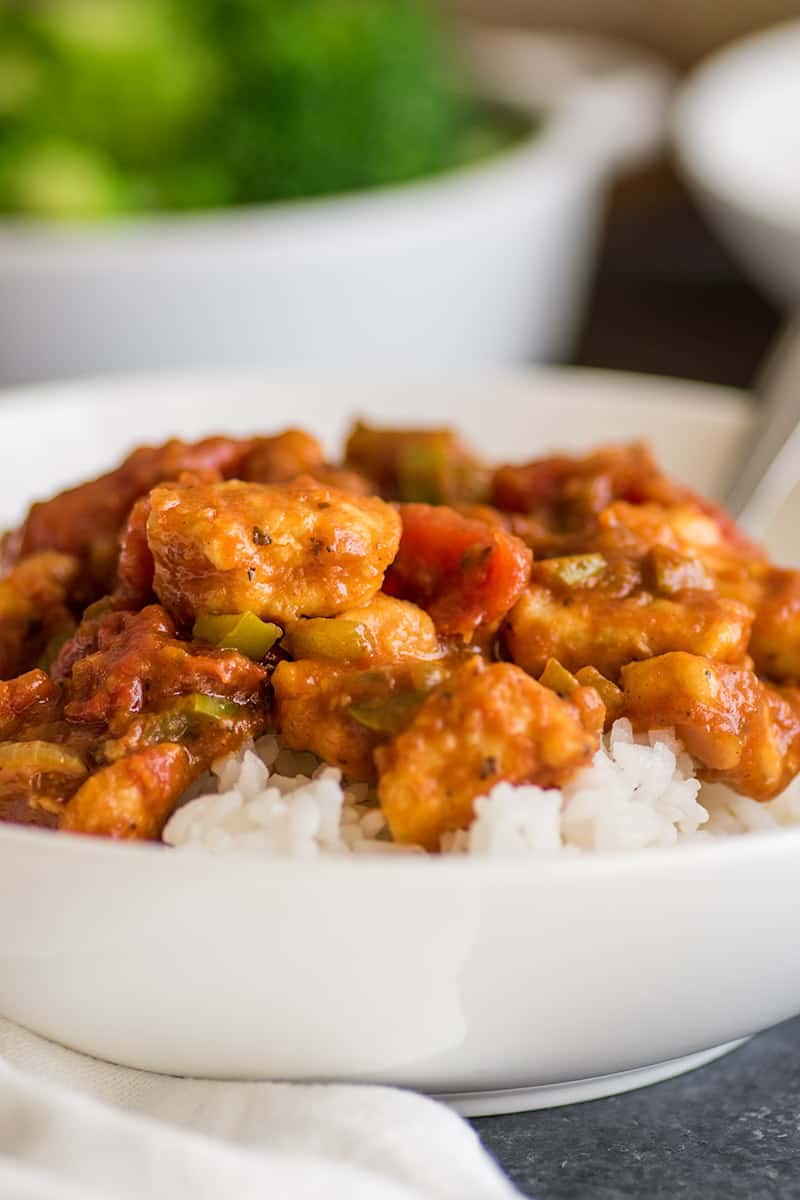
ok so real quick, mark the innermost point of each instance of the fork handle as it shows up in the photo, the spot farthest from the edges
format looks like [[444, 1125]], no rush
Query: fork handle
[[770, 465]]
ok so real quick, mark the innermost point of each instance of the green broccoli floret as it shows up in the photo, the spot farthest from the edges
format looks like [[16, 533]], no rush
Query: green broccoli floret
[[125, 76], [22, 78], [334, 96], [61, 182], [172, 104]]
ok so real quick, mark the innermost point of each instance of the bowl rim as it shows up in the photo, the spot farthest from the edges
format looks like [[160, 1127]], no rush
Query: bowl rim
[[685, 392], [732, 852], [727, 852], [697, 95]]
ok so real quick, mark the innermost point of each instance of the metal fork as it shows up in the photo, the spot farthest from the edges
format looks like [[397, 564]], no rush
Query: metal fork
[[770, 466]]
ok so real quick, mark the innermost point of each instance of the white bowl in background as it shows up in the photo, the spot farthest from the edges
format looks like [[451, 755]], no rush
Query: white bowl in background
[[736, 131], [488, 264], [503, 985]]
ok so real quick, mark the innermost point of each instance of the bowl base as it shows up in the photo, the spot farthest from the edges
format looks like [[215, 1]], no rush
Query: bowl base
[[551, 1095]]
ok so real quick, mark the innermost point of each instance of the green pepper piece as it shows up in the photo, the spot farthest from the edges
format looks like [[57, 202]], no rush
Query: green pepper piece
[[421, 473], [214, 706], [330, 637], [387, 716], [608, 691], [558, 679], [251, 636], [244, 632], [426, 676], [576, 570]]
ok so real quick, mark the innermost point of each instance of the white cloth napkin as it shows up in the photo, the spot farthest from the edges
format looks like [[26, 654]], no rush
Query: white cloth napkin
[[74, 1128]]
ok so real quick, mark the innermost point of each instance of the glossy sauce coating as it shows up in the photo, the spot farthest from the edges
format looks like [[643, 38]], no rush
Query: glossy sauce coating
[[425, 622], [279, 550]]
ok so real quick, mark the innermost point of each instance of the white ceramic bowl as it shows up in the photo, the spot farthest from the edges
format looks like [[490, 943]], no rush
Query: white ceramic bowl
[[483, 265], [499, 984], [735, 126]]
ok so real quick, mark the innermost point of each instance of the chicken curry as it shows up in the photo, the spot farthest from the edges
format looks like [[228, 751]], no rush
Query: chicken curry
[[412, 615]]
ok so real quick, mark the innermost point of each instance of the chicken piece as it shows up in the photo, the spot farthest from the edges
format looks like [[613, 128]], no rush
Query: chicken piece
[[343, 478], [342, 713], [20, 697], [279, 550], [683, 550], [583, 627], [312, 702], [124, 663], [384, 631], [43, 759], [135, 566], [35, 778], [743, 732], [563, 496], [134, 795], [465, 573], [86, 521], [35, 610], [133, 798], [417, 465], [634, 529], [775, 640], [158, 710], [484, 725], [282, 457], [563, 486], [286, 455]]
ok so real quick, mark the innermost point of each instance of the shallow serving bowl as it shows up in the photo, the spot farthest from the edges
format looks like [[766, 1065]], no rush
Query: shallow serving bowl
[[488, 264], [499, 984], [735, 127]]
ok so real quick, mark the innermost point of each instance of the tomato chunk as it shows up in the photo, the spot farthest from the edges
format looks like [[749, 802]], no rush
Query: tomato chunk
[[465, 573]]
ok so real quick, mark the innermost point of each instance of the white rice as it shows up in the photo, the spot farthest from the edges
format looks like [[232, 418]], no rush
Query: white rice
[[638, 792]]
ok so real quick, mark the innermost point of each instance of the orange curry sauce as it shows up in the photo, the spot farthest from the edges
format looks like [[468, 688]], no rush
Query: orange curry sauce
[[412, 615]]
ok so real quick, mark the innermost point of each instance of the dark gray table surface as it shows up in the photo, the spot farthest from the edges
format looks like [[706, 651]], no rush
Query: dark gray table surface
[[731, 1129]]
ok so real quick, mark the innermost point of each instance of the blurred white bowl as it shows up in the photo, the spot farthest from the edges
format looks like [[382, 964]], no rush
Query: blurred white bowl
[[483, 265], [736, 127]]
